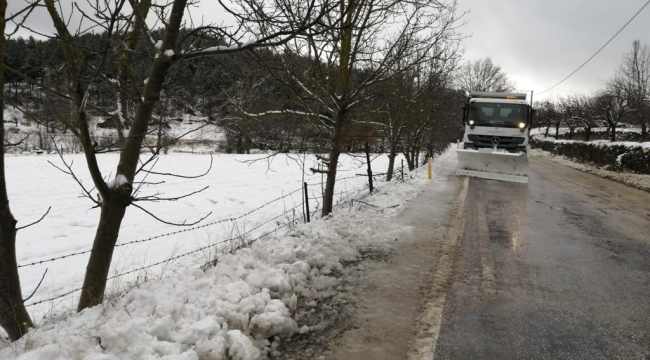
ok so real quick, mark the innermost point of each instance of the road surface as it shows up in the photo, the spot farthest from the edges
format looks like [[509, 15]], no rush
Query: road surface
[[556, 269]]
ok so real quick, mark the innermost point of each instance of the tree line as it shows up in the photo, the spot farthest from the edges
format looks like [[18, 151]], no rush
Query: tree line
[[624, 100]]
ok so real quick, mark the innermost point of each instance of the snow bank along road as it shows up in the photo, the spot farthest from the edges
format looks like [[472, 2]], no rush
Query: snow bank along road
[[556, 269]]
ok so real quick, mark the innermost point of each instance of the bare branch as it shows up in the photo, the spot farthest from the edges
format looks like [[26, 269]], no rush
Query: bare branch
[[182, 176], [184, 223], [7, 144], [37, 286], [85, 193], [37, 221], [156, 198]]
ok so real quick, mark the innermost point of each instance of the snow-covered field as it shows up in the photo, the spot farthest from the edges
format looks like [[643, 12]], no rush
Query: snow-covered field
[[235, 188], [194, 133], [227, 312]]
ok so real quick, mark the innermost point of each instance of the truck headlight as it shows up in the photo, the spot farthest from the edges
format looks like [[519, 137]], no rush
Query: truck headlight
[[471, 123], [522, 126]]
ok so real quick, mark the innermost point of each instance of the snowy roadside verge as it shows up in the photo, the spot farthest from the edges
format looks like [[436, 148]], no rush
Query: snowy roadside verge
[[229, 311], [638, 181], [629, 157]]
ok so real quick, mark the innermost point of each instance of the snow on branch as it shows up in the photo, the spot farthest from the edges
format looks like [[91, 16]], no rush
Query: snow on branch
[[327, 121]]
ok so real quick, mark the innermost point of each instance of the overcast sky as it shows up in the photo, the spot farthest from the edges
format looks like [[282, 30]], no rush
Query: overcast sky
[[537, 42]]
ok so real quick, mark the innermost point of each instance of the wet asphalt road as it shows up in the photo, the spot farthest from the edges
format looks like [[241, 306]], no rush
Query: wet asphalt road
[[556, 269]]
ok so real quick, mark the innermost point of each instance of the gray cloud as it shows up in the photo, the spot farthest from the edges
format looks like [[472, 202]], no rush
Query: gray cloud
[[538, 43]]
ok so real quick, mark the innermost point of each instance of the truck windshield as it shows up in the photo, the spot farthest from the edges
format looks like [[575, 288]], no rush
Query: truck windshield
[[498, 114]]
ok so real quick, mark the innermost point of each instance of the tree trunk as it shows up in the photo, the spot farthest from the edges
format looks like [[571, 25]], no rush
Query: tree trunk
[[587, 133], [571, 131], [547, 129], [644, 132], [240, 143], [391, 163], [14, 318], [328, 196], [613, 132], [99, 263], [557, 130], [370, 186], [117, 199], [341, 89], [410, 156]]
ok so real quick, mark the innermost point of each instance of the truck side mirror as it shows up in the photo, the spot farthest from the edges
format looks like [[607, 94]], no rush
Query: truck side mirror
[[465, 113], [533, 112]]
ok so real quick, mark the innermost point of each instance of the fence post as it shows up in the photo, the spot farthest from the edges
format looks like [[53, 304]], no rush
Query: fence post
[[402, 170], [429, 166], [369, 168], [306, 202]]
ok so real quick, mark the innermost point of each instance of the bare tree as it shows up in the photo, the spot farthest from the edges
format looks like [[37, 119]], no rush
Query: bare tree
[[632, 81], [569, 119], [586, 112], [483, 75], [613, 106], [14, 318], [353, 55], [432, 113], [547, 115], [86, 71], [410, 104]]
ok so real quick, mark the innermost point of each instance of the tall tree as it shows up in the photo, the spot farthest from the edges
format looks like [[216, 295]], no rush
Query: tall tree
[[483, 75], [632, 81], [547, 115], [613, 105], [586, 112], [14, 318], [354, 55], [88, 71]]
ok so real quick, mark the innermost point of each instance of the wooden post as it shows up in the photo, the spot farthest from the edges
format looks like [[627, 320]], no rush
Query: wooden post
[[369, 168], [402, 169], [430, 167], [306, 202]]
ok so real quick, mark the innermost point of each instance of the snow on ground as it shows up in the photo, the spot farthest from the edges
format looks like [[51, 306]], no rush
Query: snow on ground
[[628, 144], [232, 310], [566, 130], [235, 188], [639, 181]]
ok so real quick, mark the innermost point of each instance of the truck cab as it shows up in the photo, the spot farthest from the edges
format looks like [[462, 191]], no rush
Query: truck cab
[[499, 121]]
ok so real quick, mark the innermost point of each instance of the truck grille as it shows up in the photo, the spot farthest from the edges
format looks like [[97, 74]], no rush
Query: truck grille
[[505, 142]]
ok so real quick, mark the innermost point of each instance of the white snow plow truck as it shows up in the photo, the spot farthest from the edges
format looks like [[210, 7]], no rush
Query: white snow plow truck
[[495, 143]]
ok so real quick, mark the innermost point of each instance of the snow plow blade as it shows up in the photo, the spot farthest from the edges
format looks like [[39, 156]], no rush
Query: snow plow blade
[[494, 165]]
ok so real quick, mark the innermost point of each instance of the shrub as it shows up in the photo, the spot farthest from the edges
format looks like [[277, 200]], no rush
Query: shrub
[[611, 156]]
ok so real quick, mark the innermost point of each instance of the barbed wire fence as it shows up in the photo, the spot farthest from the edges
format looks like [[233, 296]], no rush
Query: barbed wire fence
[[285, 220]]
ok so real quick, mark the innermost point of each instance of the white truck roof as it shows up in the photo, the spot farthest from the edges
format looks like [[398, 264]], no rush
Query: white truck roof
[[499, 101], [497, 95]]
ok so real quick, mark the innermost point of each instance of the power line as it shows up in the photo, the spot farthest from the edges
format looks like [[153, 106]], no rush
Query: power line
[[599, 50]]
